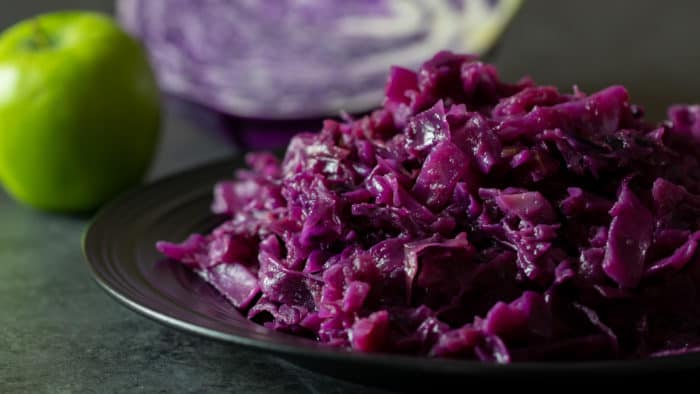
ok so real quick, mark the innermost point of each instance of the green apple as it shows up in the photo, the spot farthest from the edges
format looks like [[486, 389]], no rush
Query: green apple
[[79, 111]]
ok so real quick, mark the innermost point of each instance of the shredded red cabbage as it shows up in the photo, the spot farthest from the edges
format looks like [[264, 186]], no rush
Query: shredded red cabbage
[[471, 218]]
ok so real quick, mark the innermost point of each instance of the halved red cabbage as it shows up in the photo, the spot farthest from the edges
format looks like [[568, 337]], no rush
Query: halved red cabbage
[[262, 72], [471, 218], [228, 55]]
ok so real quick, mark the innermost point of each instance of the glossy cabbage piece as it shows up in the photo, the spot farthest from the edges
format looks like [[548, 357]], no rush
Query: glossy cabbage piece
[[470, 218]]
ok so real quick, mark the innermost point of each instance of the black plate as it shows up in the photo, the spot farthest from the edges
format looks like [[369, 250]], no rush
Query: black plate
[[119, 247]]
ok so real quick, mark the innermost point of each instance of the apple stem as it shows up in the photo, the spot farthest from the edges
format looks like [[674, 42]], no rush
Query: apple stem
[[41, 39]]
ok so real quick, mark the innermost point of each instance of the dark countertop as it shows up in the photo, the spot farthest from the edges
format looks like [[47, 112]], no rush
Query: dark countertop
[[60, 333]]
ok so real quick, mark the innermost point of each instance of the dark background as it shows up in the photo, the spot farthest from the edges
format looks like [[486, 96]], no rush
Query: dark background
[[59, 333]]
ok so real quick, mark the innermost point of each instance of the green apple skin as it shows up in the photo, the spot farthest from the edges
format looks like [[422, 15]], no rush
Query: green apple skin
[[79, 111]]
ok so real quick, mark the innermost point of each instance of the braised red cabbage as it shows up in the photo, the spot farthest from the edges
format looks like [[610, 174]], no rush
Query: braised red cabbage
[[471, 218]]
